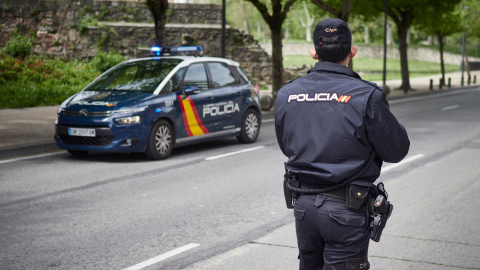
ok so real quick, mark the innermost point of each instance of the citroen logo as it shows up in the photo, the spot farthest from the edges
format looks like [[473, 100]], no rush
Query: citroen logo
[[83, 111]]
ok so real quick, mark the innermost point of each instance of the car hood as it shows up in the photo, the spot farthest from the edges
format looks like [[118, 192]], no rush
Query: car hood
[[107, 100]]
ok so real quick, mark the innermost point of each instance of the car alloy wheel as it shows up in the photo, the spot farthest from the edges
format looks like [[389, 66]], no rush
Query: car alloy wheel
[[160, 143], [250, 127]]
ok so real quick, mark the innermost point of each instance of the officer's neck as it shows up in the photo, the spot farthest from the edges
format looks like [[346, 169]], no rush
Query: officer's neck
[[344, 62]]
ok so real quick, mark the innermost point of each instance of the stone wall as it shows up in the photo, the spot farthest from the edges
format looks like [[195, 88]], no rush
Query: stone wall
[[62, 30]]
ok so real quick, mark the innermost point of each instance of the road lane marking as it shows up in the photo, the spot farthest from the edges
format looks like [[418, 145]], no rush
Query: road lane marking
[[234, 153], [31, 157], [403, 162], [268, 120], [162, 257], [450, 107]]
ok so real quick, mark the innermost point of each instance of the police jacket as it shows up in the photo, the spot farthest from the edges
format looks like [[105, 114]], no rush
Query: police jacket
[[329, 121]]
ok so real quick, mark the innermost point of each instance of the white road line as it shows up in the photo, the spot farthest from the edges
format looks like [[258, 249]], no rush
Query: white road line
[[31, 157], [162, 257], [268, 120], [450, 107], [234, 153], [403, 162]]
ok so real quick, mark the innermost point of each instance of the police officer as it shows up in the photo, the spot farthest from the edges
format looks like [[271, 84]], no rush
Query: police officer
[[328, 123]]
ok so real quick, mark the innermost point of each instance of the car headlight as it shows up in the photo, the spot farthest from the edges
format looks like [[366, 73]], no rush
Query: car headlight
[[127, 120], [132, 110]]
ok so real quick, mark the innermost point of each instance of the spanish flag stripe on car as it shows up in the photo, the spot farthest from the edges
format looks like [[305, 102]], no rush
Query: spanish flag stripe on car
[[191, 119]]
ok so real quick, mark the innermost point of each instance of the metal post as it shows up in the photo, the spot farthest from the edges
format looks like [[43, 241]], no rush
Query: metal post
[[462, 65], [463, 45], [431, 84], [449, 82], [440, 84], [385, 44], [223, 28]]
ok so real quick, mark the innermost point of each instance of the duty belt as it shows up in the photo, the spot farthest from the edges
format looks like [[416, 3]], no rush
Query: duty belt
[[339, 193]]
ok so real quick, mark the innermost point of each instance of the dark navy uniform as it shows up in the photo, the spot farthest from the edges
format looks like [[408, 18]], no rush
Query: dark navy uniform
[[327, 123]]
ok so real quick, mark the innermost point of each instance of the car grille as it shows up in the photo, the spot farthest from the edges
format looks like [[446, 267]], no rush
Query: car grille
[[86, 113], [103, 136], [74, 140]]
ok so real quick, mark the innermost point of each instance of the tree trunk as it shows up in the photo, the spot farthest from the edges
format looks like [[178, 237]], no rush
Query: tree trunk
[[442, 64], [159, 12], [402, 34], [277, 60], [403, 23]]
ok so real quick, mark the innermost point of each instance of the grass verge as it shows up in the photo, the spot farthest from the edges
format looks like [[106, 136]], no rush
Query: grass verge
[[371, 68]]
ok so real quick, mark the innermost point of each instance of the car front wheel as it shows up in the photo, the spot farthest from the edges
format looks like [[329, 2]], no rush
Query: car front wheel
[[250, 127], [160, 141]]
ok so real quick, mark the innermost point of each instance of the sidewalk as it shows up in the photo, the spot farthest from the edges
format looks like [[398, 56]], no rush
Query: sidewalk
[[29, 131]]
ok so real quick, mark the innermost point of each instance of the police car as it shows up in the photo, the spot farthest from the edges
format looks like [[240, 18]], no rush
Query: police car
[[155, 104]]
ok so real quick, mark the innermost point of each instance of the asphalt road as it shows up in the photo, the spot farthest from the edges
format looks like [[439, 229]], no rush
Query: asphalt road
[[115, 211]]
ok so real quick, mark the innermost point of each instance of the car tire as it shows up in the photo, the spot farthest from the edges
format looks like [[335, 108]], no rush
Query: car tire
[[250, 127], [77, 153], [160, 141]]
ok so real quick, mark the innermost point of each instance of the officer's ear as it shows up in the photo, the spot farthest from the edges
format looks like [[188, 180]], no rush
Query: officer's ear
[[313, 53], [353, 51]]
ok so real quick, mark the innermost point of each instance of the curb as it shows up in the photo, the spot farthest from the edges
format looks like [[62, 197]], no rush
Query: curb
[[27, 149]]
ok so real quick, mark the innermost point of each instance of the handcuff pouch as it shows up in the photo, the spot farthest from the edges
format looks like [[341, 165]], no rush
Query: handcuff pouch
[[356, 196]]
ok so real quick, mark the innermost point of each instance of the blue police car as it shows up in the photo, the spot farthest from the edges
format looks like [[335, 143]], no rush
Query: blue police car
[[154, 104]]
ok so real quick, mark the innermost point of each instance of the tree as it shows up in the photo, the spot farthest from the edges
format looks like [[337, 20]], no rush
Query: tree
[[337, 9], [446, 22], [274, 21], [472, 21], [159, 13], [403, 13], [308, 23]]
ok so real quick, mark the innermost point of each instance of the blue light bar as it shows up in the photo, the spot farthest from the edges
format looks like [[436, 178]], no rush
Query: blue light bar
[[156, 50], [172, 51]]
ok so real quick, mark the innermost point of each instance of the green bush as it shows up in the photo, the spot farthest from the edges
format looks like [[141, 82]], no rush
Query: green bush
[[18, 45], [105, 60], [41, 81]]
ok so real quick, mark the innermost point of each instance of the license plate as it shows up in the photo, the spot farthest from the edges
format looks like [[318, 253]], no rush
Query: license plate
[[83, 132]]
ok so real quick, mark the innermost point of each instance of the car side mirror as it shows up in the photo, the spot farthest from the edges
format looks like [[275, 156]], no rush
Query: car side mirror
[[190, 90]]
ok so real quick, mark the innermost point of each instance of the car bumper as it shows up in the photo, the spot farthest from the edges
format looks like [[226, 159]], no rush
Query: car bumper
[[121, 139]]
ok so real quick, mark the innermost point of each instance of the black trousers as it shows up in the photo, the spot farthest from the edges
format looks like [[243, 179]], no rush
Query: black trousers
[[329, 236]]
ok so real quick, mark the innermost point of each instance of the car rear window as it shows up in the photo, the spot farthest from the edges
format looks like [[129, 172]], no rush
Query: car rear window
[[221, 75], [144, 76]]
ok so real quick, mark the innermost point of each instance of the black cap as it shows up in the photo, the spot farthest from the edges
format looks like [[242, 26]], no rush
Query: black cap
[[332, 27]]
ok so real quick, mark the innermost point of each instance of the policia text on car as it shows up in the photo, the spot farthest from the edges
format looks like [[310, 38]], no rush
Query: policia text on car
[[336, 131]]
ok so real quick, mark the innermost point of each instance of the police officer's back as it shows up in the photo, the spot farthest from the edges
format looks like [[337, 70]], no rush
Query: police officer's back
[[329, 123]]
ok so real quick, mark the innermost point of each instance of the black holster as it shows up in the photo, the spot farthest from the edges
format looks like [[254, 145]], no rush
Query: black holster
[[290, 195], [380, 210]]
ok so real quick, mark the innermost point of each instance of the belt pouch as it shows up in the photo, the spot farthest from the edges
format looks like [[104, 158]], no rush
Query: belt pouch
[[356, 196]]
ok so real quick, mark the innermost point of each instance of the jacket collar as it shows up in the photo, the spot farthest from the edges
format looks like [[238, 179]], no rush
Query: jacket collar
[[325, 66]]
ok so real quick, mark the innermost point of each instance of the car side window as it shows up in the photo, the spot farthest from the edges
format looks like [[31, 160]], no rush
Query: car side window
[[196, 76], [174, 82], [221, 75]]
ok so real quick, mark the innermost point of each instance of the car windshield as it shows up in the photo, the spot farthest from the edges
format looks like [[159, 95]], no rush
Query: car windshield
[[144, 76]]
